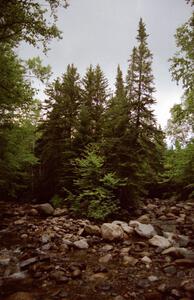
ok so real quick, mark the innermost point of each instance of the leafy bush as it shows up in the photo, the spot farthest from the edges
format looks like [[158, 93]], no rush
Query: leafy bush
[[96, 197]]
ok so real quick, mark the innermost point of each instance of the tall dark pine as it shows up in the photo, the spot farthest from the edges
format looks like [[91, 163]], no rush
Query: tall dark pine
[[140, 90], [140, 86], [94, 97], [56, 147]]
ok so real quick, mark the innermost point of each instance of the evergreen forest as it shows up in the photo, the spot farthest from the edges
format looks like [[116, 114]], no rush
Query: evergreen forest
[[100, 152]]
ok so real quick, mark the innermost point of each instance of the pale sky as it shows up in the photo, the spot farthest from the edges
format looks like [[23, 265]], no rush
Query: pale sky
[[104, 31]]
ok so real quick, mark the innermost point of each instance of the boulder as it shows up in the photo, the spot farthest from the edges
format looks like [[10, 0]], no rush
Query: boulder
[[92, 229], [126, 228], [45, 209], [144, 230], [160, 241], [111, 232]]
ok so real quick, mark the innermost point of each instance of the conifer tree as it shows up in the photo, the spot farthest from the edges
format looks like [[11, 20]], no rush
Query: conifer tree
[[140, 89], [56, 147], [94, 97]]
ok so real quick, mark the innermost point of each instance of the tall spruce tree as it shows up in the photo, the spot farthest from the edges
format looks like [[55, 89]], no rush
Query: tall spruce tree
[[118, 142], [140, 90], [94, 97], [56, 147]]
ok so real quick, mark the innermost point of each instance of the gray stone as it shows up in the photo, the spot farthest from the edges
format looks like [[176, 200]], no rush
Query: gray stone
[[146, 260], [111, 232], [81, 244], [170, 270], [126, 228], [144, 230], [160, 241], [28, 262]]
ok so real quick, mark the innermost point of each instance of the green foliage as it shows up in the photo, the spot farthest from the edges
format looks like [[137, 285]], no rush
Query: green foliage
[[96, 188], [17, 158], [180, 164], [41, 72], [23, 20], [56, 201], [55, 148]]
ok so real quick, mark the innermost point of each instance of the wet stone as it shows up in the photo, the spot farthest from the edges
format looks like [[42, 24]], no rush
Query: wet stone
[[171, 270]]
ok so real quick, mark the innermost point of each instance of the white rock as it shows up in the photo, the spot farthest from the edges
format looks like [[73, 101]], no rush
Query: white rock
[[111, 231], [81, 244], [146, 260], [144, 230], [160, 241]]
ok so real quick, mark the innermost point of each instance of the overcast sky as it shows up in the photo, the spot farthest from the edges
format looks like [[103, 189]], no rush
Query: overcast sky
[[104, 32]]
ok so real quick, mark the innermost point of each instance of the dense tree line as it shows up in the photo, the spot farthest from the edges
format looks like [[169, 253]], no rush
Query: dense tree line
[[96, 150]]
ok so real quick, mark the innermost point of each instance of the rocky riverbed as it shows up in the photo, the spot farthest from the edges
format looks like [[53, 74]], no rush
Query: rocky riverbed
[[45, 254]]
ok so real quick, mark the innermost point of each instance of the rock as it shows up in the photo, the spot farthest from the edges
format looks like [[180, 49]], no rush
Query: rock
[[21, 296], [126, 228], [144, 219], [170, 270], [60, 212], [18, 275], [45, 238], [144, 230], [92, 229], [125, 251], [45, 209], [33, 212], [76, 273], [129, 260], [28, 262], [105, 259], [107, 248], [178, 252], [184, 262], [59, 276], [98, 277], [111, 232], [188, 285], [81, 244], [24, 236], [4, 260], [143, 283], [152, 278], [146, 260], [19, 222], [159, 241], [67, 242]]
